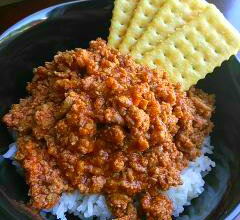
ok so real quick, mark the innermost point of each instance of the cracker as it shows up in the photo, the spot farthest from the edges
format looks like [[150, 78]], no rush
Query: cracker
[[172, 15], [196, 49], [122, 13], [143, 14]]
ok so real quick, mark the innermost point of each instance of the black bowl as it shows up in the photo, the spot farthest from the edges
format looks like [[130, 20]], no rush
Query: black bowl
[[38, 37]]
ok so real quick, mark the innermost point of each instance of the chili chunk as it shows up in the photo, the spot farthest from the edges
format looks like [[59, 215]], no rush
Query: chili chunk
[[98, 122]]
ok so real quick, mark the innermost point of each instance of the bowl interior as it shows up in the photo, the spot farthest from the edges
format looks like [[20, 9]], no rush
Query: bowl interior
[[72, 25]]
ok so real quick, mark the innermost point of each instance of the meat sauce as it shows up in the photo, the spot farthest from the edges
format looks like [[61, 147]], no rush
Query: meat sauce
[[98, 122]]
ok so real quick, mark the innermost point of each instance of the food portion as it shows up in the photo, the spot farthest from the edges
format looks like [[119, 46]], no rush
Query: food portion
[[144, 13], [173, 15], [188, 39], [97, 122], [122, 14], [195, 50]]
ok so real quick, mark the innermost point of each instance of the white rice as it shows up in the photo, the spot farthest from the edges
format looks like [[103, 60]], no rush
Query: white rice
[[192, 178], [83, 206], [12, 150], [89, 206]]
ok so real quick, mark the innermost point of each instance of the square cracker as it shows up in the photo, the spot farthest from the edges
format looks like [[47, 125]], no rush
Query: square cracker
[[172, 15], [144, 13], [196, 49], [122, 14]]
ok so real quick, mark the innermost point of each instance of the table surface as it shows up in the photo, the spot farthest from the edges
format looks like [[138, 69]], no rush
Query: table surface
[[11, 13]]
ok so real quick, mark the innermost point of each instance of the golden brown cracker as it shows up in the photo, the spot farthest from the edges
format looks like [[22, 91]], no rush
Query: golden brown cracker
[[196, 49], [122, 14], [172, 15], [144, 13]]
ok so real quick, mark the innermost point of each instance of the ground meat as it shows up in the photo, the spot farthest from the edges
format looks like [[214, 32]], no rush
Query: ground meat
[[156, 207], [122, 206], [46, 182], [98, 122]]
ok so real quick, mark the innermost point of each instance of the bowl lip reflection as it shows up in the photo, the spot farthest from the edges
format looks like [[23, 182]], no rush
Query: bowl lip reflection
[[234, 214], [40, 16]]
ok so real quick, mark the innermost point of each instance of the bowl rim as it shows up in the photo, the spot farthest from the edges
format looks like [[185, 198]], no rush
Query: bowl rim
[[42, 15]]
